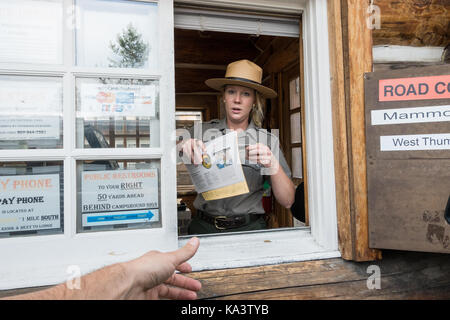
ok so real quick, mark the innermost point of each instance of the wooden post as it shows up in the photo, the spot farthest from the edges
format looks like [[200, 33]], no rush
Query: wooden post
[[351, 56]]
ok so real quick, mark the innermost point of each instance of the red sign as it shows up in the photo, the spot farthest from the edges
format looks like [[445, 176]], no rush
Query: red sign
[[419, 88]]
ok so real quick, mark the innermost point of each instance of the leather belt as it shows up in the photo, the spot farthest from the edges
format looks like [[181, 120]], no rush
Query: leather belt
[[224, 222]]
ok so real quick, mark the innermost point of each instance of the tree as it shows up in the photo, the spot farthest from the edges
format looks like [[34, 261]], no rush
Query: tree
[[130, 48]]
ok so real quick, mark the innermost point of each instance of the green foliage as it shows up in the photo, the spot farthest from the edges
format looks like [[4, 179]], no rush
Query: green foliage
[[130, 48]]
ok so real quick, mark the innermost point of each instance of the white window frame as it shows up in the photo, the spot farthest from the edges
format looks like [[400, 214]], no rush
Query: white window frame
[[37, 261], [320, 240], [44, 260]]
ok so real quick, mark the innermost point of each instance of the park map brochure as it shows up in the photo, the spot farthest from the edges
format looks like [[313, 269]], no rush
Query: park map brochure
[[220, 174]]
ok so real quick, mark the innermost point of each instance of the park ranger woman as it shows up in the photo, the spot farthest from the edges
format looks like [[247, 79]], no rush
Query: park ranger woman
[[243, 98]]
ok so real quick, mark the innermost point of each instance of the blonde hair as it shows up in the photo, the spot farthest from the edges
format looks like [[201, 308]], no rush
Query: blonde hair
[[257, 113], [258, 110]]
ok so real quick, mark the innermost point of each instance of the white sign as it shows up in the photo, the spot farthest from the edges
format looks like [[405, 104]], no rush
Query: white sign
[[30, 202], [30, 109], [30, 97], [117, 100], [14, 128], [133, 192], [411, 115], [31, 31], [415, 142]]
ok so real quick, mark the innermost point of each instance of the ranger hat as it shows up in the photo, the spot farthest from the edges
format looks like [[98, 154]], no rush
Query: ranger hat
[[242, 73]]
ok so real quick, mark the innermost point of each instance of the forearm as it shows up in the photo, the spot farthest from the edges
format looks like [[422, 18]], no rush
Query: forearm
[[283, 188], [108, 283]]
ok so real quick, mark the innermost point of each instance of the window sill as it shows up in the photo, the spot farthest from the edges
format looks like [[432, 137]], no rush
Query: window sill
[[255, 248]]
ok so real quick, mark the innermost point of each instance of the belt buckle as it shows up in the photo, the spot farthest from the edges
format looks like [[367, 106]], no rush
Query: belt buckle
[[215, 222]]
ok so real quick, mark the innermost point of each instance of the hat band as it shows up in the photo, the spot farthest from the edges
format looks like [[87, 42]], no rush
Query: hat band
[[243, 79]]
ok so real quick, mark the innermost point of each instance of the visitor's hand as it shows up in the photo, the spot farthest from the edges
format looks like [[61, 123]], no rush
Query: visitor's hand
[[153, 274]]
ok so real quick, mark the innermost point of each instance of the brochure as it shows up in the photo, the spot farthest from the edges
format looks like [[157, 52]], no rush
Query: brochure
[[220, 175]]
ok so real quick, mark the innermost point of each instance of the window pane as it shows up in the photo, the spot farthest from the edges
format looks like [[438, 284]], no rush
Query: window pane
[[297, 163], [295, 128], [31, 31], [30, 113], [31, 198], [186, 119], [110, 111], [294, 93], [117, 34], [118, 194]]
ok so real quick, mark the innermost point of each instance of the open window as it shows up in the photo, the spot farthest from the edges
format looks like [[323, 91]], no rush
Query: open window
[[205, 42], [203, 54]]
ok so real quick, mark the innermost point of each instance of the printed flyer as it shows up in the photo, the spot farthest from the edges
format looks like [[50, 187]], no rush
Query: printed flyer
[[117, 100], [29, 202], [31, 110], [31, 32], [220, 175], [27, 128], [119, 196]]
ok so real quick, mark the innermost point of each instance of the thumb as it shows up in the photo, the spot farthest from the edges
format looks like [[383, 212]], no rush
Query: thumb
[[186, 252]]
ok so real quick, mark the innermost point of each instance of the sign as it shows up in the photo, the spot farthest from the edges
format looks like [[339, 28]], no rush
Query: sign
[[408, 158], [410, 115], [29, 202], [14, 128], [30, 109], [102, 219], [415, 88], [415, 142], [118, 100], [31, 31], [119, 196]]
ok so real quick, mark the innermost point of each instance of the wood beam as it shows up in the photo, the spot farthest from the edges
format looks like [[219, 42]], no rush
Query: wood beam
[[200, 66], [339, 129], [351, 57]]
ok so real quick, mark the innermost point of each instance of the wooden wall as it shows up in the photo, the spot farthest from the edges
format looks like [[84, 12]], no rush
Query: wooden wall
[[406, 23], [413, 23]]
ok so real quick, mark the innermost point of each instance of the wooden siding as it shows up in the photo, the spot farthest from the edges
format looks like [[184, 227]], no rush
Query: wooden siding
[[404, 275], [413, 23]]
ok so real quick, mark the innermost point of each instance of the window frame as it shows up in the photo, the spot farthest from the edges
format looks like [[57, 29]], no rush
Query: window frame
[[320, 239], [44, 260]]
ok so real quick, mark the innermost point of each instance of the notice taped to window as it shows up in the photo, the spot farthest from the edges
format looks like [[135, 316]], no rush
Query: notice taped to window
[[27, 128], [220, 175], [29, 202], [118, 100], [119, 196]]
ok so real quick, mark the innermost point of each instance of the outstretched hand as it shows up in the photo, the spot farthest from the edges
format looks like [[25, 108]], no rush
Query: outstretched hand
[[154, 276]]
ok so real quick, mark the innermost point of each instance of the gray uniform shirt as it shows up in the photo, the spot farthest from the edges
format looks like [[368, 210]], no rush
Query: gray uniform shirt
[[254, 174]]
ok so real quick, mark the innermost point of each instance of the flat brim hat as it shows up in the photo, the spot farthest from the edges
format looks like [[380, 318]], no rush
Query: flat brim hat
[[242, 73]]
